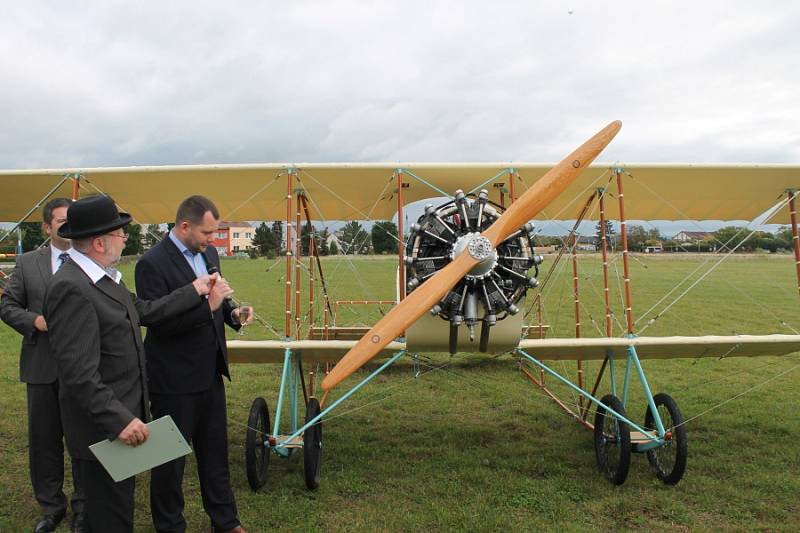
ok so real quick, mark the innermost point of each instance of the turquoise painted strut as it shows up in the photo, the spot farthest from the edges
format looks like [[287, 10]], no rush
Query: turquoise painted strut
[[286, 359], [632, 355], [349, 393], [594, 400], [429, 184], [504, 171]]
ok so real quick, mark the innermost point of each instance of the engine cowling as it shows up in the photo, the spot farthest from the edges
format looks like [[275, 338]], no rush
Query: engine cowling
[[492, 289]]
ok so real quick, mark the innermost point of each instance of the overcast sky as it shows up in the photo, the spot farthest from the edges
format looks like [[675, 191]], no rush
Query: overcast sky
[[115, 83]]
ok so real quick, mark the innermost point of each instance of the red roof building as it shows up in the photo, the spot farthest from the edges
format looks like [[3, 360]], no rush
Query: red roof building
[[233, 237]]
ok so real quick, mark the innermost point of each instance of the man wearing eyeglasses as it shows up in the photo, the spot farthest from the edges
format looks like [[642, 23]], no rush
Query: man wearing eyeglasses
[[21, 308], [94, 324]]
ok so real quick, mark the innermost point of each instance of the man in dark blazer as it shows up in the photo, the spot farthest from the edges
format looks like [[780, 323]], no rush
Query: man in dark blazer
[[186, 359], [94, 327], [21, 308]]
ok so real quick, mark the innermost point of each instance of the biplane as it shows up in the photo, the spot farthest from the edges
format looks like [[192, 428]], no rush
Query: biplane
[[465, 270]]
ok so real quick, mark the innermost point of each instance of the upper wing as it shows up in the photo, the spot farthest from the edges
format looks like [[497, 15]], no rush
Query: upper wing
[[352, 191]]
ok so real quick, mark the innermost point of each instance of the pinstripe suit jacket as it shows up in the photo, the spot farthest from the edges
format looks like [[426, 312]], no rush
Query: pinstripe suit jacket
[[95, 337]]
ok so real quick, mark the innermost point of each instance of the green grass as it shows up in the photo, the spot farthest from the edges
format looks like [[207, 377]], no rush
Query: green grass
[[477, 447]]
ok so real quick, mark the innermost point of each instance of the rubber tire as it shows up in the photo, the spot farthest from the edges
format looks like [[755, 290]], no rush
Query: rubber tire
[[616, 475], [677, 445], [312, 446], [257, 454]]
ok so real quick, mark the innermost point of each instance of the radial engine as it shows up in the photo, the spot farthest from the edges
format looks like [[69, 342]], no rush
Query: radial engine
[[493, 288]]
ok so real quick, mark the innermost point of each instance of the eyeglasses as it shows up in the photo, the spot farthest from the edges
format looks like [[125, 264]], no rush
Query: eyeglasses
[[124, 237]]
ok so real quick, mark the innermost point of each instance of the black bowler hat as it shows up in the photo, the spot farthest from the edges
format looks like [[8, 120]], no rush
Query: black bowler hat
[[90, 216]]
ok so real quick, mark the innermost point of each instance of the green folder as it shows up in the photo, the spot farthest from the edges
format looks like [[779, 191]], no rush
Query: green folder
[[164, 444]]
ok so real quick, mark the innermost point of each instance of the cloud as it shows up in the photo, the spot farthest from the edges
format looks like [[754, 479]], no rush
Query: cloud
[[200, 82]]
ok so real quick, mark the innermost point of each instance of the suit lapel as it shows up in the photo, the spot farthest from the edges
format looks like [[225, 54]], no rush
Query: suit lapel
[[114, 291], [44, 263], [179, 259]]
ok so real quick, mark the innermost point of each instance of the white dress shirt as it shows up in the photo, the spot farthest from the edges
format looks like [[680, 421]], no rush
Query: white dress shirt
[[55, 262]]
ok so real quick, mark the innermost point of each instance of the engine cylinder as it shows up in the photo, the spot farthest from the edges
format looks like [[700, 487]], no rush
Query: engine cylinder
[[491, 289]]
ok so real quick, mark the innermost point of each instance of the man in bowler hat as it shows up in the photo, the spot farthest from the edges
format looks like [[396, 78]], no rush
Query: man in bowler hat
[[21, 308], [94, 324]]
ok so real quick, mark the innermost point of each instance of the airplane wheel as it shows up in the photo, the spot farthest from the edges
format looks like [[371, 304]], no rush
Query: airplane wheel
[[669, 460], [612, 441], [256, 446], [312, 446]]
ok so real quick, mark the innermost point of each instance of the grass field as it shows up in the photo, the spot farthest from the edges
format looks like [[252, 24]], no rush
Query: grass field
[[476, 447]]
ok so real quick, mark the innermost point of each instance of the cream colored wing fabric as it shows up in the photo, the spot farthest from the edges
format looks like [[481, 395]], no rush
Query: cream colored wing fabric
[[360, 191]]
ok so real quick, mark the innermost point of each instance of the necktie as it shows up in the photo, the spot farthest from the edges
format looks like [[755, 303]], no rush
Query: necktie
[[62, 257]]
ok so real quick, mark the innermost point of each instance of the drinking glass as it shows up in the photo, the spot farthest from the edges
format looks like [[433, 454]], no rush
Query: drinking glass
[[245, 311]]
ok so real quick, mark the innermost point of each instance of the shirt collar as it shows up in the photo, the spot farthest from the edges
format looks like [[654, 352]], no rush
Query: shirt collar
[[92, 268], [182, 247]]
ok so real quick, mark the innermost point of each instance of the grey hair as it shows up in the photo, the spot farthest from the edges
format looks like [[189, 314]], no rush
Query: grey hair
[[82, 244]]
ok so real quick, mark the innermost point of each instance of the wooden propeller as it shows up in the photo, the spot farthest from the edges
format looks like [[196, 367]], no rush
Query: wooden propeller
[[419, 302]]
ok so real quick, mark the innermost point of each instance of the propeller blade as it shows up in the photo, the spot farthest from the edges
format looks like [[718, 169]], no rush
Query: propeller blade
[[421, 300], [545, 190]]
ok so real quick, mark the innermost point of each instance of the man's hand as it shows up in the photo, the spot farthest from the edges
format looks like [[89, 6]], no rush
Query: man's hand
[[219, 292], [135, 433], [204, 283], [237, 315], [39, 323]]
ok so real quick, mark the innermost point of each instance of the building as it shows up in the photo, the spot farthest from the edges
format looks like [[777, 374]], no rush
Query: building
[[691, 236], [655, 247], [233, 237]]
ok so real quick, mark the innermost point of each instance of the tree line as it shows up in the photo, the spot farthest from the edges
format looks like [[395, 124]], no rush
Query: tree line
[[353, 239]]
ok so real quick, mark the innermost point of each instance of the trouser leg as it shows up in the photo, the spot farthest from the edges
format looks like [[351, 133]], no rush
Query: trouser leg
[[78, 500], [166, 481], [46, 447], [109, 505], [211, 452]]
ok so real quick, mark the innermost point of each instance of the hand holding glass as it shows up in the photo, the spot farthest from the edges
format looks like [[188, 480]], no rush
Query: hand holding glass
[[245, 311]]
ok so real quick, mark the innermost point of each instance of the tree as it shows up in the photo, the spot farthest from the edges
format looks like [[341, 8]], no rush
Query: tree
[[153, 235], [265, 241], [609, 235], [637, 238], [277, 230], [322, 241], [384, 237], [133, 246], [354, 239], [333, 249], [32, 235], [784, 237], [306, 231], [730, 237]]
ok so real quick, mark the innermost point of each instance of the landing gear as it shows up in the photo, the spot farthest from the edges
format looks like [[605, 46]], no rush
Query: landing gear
[[669, 459], [612, 441], [312, 446], [256, 447]]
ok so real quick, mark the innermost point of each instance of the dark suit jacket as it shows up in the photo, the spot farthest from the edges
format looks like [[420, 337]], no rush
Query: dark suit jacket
[[19, 306], [95, 337], [185, 353]]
